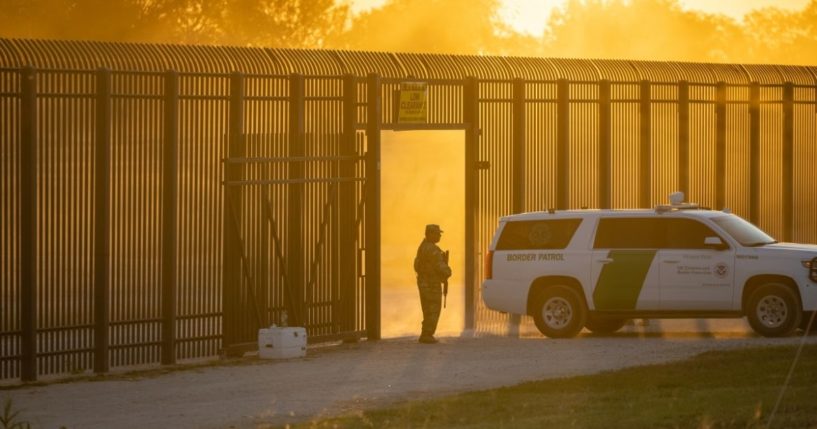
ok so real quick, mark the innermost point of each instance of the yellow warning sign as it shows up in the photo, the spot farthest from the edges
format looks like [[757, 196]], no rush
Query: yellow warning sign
[[413, 107]]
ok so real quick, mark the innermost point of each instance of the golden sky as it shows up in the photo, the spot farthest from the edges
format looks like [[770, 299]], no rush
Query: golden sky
[[530, 16]]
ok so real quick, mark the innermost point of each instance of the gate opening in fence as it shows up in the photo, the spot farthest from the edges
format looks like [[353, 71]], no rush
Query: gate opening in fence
[[422, 183]]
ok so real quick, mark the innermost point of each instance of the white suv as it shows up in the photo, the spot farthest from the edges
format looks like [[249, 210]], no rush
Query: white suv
[[598, 268]]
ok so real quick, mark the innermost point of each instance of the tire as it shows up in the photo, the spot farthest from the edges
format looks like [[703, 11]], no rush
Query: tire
[[773, 310], [559, 312], [804, 323], [604, 326]]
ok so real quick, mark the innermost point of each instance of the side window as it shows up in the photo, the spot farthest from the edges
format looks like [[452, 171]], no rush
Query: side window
[[687, 234], [629, 233], [537, 234]]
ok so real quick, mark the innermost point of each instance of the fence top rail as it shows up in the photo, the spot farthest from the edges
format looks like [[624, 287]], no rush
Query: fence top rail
[[393, 80], [392, 65]]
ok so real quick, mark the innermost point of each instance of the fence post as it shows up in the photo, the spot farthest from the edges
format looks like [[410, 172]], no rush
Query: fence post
[[170, 188], [562, 144], [683, 137], [373, 207], [262, 271], [295, 204], [347, 254], [645, 146], [720, 146], [754, 153], [605, 144], [231, 254], [470, 105], [519, 171], [518, 147], [788, 162], [28, 223], [102, 216]]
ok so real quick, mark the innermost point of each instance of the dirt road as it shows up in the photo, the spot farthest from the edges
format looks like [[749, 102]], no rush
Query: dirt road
[[343, 379]]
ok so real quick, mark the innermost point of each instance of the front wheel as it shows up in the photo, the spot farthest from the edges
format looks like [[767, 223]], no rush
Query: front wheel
[[559, 312], [773, 310]]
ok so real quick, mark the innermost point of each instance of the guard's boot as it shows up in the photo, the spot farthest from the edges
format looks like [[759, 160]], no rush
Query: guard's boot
[[428, 339]]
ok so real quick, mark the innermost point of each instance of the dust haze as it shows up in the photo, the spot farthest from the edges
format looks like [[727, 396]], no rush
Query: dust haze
[[610, 29]]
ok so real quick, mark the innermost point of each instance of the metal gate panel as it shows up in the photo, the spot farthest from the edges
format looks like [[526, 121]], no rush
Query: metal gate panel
[[805, 158], [583, 145], [10, 188], [266, 128], [135, 246], [664, 142], [738, 151], [65, 194], [625, 154], [540, 146], [294, 196], [702, 145], [804, 99], [202, 130], [257, 297], [495, 199], [324, 128], [771, 146]]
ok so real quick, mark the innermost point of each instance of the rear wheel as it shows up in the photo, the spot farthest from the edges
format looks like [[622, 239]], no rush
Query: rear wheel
[[773, 310], [559, 312], [603, 326]]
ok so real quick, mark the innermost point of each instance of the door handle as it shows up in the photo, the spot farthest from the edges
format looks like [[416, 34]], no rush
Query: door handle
[[604, 261], [671, 262]]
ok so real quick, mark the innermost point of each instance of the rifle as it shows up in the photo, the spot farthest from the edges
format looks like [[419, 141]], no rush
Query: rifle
[[445, 282]]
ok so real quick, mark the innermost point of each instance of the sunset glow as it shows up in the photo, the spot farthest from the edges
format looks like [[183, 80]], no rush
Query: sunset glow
[[530, 16]]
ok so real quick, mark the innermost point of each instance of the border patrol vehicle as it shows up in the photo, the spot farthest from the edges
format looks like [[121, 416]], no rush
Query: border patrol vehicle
[[595, 269]]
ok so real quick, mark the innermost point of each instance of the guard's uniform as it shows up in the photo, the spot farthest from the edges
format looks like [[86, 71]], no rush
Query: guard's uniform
[[432, 271]]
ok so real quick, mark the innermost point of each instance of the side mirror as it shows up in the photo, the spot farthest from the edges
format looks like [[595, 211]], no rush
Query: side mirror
[[715, 243]]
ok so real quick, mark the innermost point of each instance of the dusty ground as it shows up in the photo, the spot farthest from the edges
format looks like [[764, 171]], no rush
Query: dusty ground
[[346, 378]]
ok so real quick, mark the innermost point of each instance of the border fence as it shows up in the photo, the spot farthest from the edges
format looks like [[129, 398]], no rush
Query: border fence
[[160, 203]]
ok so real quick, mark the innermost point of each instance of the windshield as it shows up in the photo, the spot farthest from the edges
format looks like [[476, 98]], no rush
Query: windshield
[[744, 232]]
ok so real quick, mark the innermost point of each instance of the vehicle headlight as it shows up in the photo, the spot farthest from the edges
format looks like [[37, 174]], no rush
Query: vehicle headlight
[[811, 266]]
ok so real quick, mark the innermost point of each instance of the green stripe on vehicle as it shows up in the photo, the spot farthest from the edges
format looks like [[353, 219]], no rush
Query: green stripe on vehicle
[[620, 281]]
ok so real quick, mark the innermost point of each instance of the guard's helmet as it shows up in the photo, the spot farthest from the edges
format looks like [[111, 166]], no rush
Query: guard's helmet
[[432, 228]]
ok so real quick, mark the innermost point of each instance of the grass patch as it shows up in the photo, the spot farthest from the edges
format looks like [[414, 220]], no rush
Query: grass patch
[[10, 418], [719, 389]]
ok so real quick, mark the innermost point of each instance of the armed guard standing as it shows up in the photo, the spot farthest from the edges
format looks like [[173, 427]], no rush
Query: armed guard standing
[[431, 265]]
